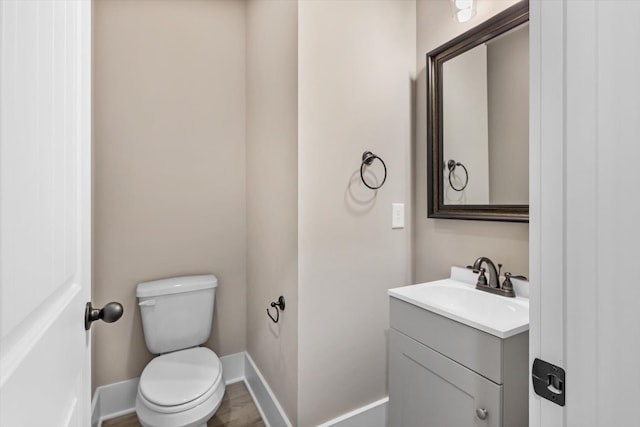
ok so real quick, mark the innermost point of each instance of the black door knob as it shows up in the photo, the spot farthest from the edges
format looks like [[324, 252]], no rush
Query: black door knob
[[109, 313]]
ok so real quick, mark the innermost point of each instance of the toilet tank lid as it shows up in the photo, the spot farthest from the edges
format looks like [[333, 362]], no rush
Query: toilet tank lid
[[174, 285]]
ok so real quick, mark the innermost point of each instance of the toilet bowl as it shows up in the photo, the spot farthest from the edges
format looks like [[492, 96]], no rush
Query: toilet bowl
[[184, 385], [180, 389]]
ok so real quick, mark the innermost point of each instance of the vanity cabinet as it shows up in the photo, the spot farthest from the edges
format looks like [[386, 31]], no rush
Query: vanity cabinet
[[443, 373]]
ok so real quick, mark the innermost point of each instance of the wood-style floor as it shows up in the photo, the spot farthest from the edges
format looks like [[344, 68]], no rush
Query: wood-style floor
[[236, 410]]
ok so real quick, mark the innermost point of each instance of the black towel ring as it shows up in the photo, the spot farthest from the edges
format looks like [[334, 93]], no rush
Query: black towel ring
[[451, 165], [279, 306], [367, 158]]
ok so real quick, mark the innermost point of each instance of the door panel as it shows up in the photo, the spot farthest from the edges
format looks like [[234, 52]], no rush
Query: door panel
[[45, 182], [585, 230]]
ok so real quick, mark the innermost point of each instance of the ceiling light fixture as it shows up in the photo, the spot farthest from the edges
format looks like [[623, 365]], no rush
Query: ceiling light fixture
[[463, 10]]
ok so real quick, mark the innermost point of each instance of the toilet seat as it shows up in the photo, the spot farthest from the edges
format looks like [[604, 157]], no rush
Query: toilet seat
[[178, 381]]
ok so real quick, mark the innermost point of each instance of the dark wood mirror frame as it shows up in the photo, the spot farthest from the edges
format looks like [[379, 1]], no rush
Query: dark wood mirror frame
[[501, 23]]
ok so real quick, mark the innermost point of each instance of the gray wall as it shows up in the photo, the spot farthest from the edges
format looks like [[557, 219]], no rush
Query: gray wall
[[272, 193], [311, 112], [169, 164], [440, 243], [356, 65]]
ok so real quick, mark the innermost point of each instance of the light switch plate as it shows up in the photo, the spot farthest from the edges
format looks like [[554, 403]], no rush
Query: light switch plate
[[397, 215]]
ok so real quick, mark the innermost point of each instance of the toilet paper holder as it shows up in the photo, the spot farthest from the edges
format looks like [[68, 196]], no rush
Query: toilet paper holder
[[278, 305]]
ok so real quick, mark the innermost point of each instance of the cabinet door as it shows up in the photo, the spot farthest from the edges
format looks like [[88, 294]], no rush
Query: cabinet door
[[427, 389]]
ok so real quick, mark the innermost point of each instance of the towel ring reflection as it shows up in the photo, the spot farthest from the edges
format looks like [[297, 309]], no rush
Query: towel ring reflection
[[367, 159], [451, 165]]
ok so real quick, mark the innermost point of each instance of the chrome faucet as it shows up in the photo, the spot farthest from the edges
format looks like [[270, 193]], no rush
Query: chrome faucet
[[494, 278]]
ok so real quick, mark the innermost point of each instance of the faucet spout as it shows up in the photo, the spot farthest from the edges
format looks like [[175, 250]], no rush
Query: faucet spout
[[493, 272]]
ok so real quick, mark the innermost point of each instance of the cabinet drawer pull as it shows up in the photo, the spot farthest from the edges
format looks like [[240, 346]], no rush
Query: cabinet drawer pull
[[482, 413]]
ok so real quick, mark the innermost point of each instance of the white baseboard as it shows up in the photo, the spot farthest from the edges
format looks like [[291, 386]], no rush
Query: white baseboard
[[272, 413], [114, 400], [233, 367], [371, 415]]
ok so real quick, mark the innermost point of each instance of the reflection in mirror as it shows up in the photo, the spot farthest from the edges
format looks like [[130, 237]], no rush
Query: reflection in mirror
[[485, 103], [478, 121]]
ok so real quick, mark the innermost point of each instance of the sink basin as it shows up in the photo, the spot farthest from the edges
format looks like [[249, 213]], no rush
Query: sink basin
[[460, 301]]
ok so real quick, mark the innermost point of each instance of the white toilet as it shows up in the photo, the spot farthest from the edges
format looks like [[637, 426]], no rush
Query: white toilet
[[183, 387]]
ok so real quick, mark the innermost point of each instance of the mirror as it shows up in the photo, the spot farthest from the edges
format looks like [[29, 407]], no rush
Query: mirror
[[478, 121]]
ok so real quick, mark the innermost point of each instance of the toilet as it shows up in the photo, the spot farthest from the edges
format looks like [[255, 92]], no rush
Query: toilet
[[183, 386]]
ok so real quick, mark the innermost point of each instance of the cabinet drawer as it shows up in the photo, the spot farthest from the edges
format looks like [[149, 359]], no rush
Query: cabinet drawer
[[427, 389], [477, 350]]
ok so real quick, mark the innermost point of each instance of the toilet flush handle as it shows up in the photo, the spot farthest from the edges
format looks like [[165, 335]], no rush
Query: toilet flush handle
[[147, 303]]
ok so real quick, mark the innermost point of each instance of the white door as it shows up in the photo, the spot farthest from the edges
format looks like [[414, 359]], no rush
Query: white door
[[585, 208], [45, 184]]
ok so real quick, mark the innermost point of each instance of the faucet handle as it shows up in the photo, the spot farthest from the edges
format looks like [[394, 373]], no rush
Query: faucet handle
[[482, 279], [507, 285]]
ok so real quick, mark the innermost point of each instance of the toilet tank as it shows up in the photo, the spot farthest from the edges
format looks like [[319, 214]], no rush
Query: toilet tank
[[177, 313]]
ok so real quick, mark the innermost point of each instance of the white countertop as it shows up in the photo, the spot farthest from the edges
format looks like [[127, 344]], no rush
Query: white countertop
[[457, 299]]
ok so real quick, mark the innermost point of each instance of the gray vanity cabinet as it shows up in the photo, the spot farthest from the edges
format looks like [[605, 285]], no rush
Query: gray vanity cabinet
[[443, 373], [428, 389]]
